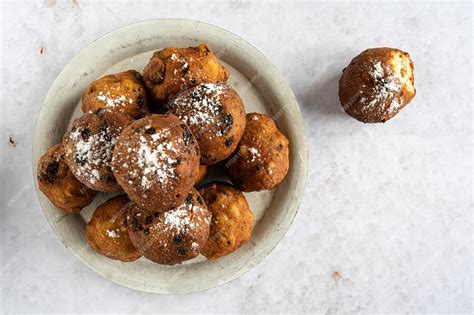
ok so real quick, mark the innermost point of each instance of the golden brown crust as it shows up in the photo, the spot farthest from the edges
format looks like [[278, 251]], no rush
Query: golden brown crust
[[59, 185], [232, 220], [261, 160], [156, 161], [216, 116], [377, 84], [202, 174], [123, 92], [174, 69], [107, 231], [171, 237], [88, 148]]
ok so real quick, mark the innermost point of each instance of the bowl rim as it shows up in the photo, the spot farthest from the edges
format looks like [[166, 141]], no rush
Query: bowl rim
[[303, 151]]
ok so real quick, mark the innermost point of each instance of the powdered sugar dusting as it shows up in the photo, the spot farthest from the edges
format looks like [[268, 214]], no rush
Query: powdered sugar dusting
[[113, 233], [254, 153], [178, 219], [155, 160], [92, 151], [201, 108], [181, 226], [377, 71], [154, 156], [387, 87], [184, 218], [111, 101], [181, 73], [394, 105]]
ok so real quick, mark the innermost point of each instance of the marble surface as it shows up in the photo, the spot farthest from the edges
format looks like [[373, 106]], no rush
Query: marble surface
[[386, 221]]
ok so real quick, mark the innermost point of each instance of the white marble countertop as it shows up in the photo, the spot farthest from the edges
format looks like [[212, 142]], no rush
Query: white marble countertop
[[386, 221]]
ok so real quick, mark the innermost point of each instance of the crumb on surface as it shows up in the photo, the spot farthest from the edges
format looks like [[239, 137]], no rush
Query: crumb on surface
[[336, 275], [12, 142]]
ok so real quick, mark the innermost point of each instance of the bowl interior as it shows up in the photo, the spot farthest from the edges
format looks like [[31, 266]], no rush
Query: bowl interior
[[261, 88]]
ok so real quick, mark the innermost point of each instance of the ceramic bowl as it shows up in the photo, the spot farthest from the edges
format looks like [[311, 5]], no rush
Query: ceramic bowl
[[261, 88]]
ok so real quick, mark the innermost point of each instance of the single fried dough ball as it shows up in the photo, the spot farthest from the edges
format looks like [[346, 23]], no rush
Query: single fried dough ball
[[156, 161], [88, 148], [107, 231], [216, 116], [123, 92], [377, 84], [232, 220], [261, 160], [171, 237], [59, 185], [174, 69]]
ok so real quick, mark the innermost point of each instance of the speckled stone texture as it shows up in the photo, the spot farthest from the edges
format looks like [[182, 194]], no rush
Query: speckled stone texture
[[386, 221]]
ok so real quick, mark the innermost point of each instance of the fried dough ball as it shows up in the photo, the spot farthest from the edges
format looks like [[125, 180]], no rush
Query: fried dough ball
[[59, 185], [173, 69], [88, 147], [123, 92], [202, 174], [216, 116], [377, 84], [107, 231], [170, 237], [232, 220], [261, 160], [156, 161]]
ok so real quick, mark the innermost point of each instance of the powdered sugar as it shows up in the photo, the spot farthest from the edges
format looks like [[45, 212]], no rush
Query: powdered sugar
[[177, 219], [377, 71], [95, 174], [394, 105], [113, 233], [154, 159], [182, 68], [254, 153], [111, 101], [201, 107], [184, 218], [386, 88], [92, 150], [185, 67]]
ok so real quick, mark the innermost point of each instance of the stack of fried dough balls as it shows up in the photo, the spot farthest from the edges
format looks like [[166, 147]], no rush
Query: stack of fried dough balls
[[152, 139]]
